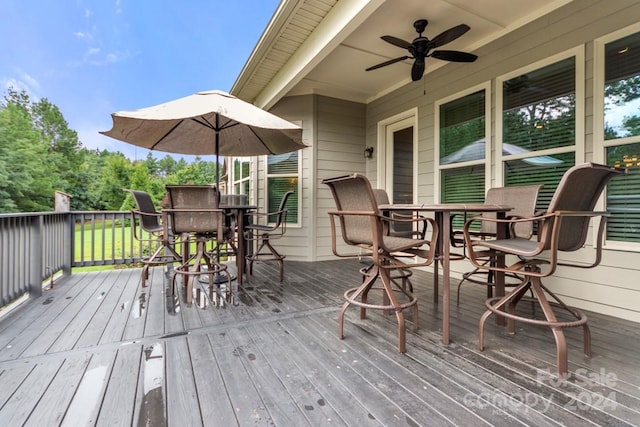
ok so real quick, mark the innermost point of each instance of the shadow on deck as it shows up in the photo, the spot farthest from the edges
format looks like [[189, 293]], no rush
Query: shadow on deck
[[99, 349]]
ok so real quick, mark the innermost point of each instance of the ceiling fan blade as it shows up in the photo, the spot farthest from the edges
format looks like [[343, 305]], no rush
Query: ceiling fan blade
[[389, 62], [417, 70], [449, 35], [454, 56], [396, 41]]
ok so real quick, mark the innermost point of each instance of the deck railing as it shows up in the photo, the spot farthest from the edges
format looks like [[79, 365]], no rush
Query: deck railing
[[36, 247]]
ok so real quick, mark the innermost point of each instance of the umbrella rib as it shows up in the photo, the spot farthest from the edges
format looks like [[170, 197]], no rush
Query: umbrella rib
[[204, 122], [165, 135], [263, 142]]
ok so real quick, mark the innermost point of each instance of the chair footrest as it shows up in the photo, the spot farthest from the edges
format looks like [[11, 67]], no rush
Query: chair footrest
[[469, 276], [166, 259], [413, 300], [264, 257], [581, 318]]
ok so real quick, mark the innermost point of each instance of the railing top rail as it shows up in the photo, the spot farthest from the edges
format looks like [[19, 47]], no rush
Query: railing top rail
[[27, 214], [51, 213]]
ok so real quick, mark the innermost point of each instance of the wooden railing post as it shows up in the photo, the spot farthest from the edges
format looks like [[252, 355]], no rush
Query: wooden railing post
[[35, 257], [68, 245]]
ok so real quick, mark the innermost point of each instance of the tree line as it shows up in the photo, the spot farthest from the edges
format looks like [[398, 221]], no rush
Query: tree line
[[40, 154]]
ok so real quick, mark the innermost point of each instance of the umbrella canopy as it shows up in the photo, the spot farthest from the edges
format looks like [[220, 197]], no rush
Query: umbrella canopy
[[188, 126]]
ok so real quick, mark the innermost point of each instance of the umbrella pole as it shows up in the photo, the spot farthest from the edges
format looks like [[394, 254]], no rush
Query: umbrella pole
[[221, 277]]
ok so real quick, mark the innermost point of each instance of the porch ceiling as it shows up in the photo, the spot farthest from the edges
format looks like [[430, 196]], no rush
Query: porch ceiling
[[324, 46]]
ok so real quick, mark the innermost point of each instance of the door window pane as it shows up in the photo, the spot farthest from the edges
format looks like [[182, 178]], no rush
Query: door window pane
[[403, 166]]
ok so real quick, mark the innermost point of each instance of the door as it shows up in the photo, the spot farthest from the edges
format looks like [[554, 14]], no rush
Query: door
[[398, 172], [399, 166]]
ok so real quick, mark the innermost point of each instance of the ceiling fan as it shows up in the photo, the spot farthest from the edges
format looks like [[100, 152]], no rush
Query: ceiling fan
[[420, 48]]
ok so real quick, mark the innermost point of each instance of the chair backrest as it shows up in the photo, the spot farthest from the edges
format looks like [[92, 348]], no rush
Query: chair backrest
[[144, 204], [354, 193], [578, 190], [382, 198], [185, 197], [281, 210], [522, 199], [395, 228]]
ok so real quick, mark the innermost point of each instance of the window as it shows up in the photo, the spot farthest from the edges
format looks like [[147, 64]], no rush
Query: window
[[282, 176], [240, 175], [617, 129], [538, 134], [462, 152]]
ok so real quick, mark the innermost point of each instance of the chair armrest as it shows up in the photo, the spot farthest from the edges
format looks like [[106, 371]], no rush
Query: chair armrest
[[368, 246], [253, 225], [401, 217], [547, 240]]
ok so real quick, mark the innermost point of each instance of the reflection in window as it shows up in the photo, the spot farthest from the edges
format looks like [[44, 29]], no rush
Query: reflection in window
[[622, 88], [463, 185], [462, 149], [545, 170], [622, 120], [539, 127], [282, 176], [462, 128], [539, 108], [623, 195]]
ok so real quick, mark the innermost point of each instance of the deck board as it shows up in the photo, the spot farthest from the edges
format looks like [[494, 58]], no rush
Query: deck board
[[100, 349]]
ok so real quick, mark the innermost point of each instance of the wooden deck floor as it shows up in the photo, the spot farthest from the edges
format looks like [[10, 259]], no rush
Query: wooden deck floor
[[98, 349]]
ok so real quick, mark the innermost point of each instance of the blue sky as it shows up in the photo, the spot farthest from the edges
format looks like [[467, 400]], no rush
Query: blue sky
[[91, 58]]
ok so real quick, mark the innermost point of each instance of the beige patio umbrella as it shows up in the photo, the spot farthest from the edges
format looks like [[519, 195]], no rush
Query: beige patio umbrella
[[210, 122]]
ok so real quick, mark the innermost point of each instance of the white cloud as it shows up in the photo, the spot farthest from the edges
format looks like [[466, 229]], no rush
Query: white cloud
[[25, 83], [31, 81], [93, 51], [111, 58]]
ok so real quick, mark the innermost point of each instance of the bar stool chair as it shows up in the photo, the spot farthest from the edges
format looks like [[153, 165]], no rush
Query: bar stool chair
[[363, 226], [265, 233], [194, 213], [149, 230], [562, 228], [522, 199]]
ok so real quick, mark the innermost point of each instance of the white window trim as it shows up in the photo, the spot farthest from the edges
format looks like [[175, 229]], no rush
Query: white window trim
[[232, 172], [578, 148], [266, 187], [486, 86], [599, 144]]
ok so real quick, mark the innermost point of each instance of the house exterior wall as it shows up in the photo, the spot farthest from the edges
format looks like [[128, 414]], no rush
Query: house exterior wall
[[609, 288], [295, 244], [335, 131], [341, 143]]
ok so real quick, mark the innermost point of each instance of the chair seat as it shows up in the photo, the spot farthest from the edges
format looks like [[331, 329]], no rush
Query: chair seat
[[399, 244], [259, 227], [516, 246]]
